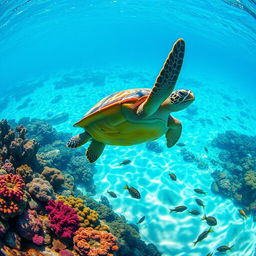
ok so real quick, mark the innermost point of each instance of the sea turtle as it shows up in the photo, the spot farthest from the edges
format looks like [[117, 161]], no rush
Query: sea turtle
[[137, 115]]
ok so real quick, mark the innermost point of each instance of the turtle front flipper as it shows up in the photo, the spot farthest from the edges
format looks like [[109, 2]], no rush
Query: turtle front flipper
[[95, 150], [78, 140], [174, 131], [165, 81]]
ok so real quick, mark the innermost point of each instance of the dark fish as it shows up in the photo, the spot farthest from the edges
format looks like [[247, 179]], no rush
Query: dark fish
[[206, 150], [113, 194], [211, 221], [181, 144], [133, 192], [141, 220], [203, 235], [226, 118], [224, 248], [199, 191], [200, 202], [194, 212], [242, 213], [125, 162], [210, 254], [179, 209], [173, 176]]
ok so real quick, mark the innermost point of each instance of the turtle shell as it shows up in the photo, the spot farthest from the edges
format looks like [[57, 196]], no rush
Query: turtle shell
[[114, 99]]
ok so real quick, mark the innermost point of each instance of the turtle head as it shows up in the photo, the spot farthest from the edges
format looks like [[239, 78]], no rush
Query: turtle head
[[179, 100]]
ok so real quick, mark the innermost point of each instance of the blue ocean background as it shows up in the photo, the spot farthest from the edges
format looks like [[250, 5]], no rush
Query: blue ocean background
[[81, 51]]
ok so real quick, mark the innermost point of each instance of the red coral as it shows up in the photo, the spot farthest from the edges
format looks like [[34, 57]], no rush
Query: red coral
[[91, 242], [64, 219], [11, 186]]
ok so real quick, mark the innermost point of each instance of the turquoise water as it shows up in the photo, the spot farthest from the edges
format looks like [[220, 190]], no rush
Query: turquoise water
[[83, 51]]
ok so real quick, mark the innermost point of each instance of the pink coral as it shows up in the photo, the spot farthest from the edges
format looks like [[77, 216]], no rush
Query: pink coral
[[37, 239], [11, 186], [64, 220], [91, 242], [8, 167]]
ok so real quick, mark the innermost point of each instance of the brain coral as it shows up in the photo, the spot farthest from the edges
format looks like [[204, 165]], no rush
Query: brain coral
[[54, 176], [64, 220], [41, 189], [91, 242]]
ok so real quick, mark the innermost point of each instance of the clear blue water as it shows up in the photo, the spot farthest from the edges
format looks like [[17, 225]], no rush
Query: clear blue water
[[42, 42]]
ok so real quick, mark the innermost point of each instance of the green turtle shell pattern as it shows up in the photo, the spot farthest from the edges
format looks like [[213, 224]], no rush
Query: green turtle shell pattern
[[122, 96]]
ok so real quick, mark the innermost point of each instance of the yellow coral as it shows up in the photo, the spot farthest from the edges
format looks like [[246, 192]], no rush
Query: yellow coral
[[87, 217], [250, 179]]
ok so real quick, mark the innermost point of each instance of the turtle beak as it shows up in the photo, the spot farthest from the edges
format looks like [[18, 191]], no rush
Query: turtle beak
[[187, 95], [190, 97]]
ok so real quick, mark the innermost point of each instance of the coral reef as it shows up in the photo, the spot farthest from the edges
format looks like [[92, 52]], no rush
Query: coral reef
[[128, 237], [91, 242], [64, 220], [237, 179], [87, 217], [41, 189], [30, 226], [16, 148]]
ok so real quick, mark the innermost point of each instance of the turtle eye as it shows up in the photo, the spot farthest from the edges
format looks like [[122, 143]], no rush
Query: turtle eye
[[182, 93]]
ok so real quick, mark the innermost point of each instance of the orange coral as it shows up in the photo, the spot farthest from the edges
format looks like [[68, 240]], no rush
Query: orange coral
[[91, 242]]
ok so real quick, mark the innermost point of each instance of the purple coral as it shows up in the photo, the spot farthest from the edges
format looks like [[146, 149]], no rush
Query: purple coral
[[30, 227]]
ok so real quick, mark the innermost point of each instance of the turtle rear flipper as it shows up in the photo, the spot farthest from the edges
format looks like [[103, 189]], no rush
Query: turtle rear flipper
[[95, 150], [78, 140], [173, 133], [165, 81]]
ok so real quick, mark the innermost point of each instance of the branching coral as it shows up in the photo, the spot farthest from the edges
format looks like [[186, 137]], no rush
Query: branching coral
[[91, 242], [64, 220], [250, 179], [16, 148]]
